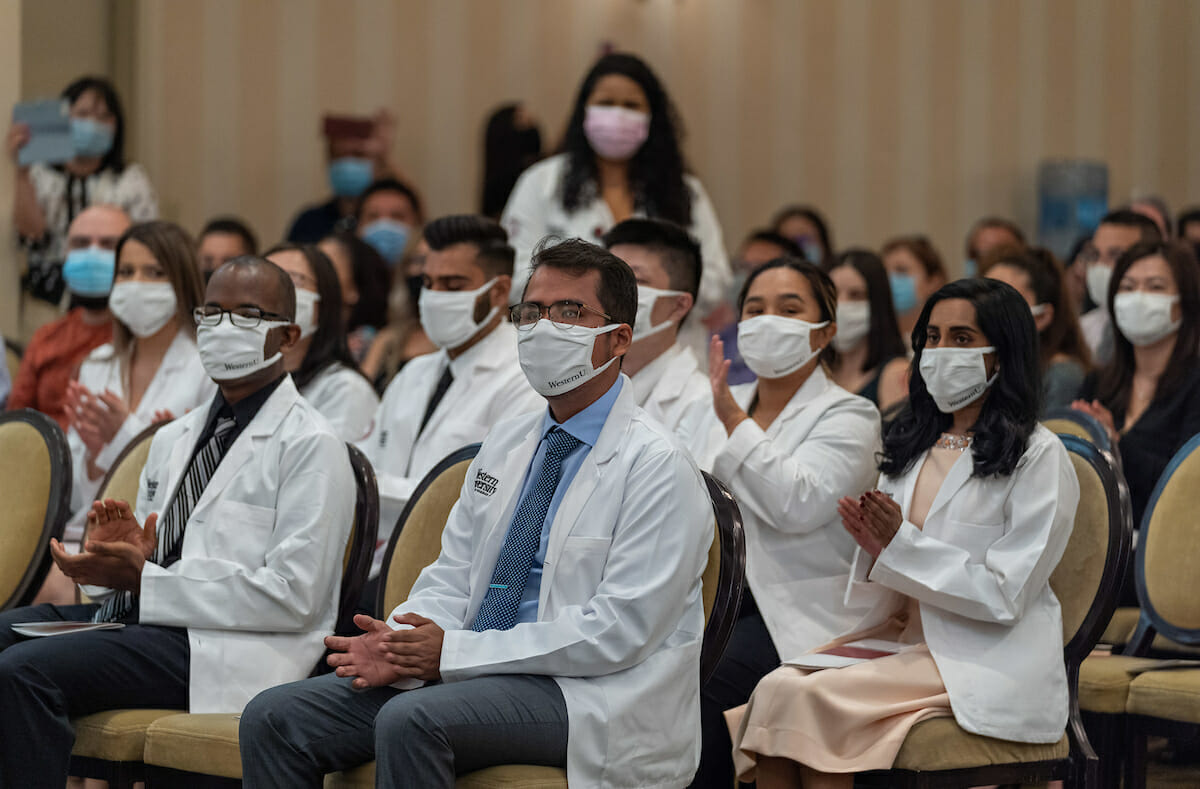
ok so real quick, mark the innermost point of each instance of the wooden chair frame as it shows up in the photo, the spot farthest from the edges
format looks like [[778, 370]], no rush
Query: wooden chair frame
[[1082, 767], [58, 507], [1138, 727], [1098, 435], [731, 579]]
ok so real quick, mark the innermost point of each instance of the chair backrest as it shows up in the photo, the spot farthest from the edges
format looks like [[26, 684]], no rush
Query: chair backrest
[[724, 576], [12, 358], [35, 485], [1089, 575], [356, 559], [1168, 586], [1068, 421], [417, 539], [121, 481]]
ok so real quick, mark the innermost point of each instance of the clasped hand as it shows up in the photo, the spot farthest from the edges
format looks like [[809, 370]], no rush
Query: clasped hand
[[382, 656], [116, 550], [872, 520]]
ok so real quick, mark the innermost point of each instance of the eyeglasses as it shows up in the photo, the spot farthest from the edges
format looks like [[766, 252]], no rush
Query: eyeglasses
[[242, 317], [527, 313]]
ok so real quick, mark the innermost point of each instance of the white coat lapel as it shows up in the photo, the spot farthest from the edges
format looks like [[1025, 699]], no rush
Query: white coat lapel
[[420, 398], [491, 536], [250, 441], [959, 473], [574, 503]]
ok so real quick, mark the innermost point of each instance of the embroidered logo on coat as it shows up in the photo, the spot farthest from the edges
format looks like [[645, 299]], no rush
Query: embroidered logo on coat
[[485, 483], [151, 488]]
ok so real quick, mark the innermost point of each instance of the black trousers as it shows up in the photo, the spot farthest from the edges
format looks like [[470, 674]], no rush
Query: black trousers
[[749, 657], [44, 682]]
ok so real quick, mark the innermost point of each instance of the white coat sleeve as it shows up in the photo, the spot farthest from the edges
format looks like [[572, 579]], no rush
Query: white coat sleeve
[[302, 563], [658, 551], [349, 407], [386, 451], [1038, 515], [716, 277], [524, 219], [796, 488]]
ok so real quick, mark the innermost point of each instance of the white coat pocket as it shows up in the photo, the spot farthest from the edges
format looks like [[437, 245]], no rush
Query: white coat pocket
[[974, 538], [580, 566], [241, 531]]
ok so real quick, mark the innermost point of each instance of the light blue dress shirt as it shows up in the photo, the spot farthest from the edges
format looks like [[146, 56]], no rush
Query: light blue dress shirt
[[585, 426]]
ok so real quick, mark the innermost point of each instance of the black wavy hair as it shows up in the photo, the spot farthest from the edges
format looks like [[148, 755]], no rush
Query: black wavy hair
[[883, 338], [115, 158], [1010, 413], [656, 171], [329, 340], [391, 185]]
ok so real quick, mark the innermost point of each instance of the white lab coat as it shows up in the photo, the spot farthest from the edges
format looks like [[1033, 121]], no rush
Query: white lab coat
[[345, 398], [258, 580], [787, 481], [488, 386], [670, 385], [179, 386], [980, 569], [535, 210], [620, 618]]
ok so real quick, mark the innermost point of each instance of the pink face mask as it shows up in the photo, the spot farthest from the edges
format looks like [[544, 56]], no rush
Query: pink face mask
[[615, 133]]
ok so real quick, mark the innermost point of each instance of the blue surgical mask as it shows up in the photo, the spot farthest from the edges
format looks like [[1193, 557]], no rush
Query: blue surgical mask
[[89, 272], [349, 176], [904, 291], [91, 138], [970, 268], [810, 247], [388, 237]]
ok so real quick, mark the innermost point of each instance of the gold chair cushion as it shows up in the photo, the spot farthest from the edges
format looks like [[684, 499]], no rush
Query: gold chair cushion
[[939, 744], [508, 776], [1104, 683], [115, 735], [25, 490], [198, 743], [1172, 694], [1121, 626], [514, 776], [122, 480], [1077, 578], [1170, 546], [1070, 427], [420, 539]]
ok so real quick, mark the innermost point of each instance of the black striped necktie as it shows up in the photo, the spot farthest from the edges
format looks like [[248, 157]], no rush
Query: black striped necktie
[[170, 528]]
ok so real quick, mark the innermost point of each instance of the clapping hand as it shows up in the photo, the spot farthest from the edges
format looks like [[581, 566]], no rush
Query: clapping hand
[[111, 521], [872, 520], [96, 418], [728, 411], [116, 550]]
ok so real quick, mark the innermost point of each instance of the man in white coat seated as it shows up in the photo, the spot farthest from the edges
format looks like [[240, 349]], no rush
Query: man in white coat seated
[[224, 576], [561, 624], [666, 375], [445, 400]]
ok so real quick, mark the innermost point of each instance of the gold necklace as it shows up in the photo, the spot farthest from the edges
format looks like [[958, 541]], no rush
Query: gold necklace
[[952, 441]]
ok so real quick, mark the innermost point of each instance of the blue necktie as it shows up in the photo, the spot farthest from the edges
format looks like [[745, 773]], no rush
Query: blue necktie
[[499, 608]]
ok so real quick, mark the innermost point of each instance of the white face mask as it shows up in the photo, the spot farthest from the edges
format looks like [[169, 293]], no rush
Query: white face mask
[[306, 311], [647, 298], [1097, 278], [774, 346], [1145, 318], [230, 352], [955, 377], [1038, 310], [144, 307], [448, 317], [558, 359], [853, 324]]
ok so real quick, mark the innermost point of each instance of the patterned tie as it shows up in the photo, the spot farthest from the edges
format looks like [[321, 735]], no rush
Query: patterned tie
[[499, 608], [170, 529]]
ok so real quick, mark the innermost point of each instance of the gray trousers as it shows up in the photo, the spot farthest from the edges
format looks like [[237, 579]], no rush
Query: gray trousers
[[293, 734]]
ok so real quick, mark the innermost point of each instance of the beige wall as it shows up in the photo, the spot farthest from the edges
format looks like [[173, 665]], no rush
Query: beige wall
[[64, 39], [892, 115], [10, 93]]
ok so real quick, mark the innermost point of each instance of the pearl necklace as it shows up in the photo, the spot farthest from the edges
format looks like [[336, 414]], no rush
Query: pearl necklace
[[952, 441]]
